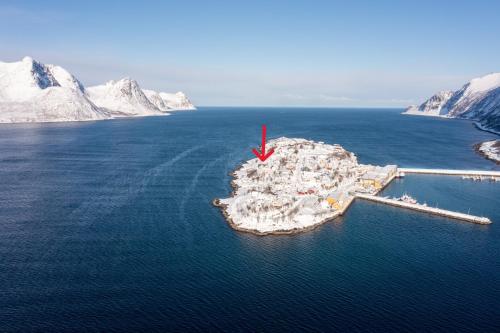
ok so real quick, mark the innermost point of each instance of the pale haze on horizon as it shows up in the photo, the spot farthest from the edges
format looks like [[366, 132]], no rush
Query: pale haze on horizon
[[262, 53]]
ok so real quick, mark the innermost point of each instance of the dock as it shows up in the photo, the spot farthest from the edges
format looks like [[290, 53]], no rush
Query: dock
[[426, 209], [450, 172]]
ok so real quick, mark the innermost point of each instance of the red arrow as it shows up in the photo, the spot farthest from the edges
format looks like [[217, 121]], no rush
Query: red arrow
[[263, 156]]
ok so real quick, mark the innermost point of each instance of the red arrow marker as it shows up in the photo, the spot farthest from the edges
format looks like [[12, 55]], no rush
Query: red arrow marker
[[263, 156]]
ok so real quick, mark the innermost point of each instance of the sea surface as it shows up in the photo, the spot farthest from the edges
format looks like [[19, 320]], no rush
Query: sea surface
[[109, 226]]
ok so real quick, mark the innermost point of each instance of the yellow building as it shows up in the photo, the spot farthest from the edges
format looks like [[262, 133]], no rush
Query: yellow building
[[368, 182], [332, 202]]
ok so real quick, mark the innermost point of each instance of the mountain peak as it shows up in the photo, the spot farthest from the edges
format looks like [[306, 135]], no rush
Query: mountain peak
[[124, 95], [27, 59]]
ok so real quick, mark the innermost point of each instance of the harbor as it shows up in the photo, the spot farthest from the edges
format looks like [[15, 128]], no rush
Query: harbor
[[307, 183], [409, 203]]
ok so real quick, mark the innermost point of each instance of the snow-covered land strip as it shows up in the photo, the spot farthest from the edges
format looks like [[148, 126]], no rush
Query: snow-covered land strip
[[427, 209], [490, 150], [34, 92], [302, 185]]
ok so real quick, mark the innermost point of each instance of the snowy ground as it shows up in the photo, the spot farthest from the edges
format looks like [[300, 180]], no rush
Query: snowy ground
[[491, 150]]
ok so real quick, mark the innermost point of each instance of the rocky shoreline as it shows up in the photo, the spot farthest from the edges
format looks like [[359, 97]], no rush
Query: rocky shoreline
[[480, 149], [223, 208]]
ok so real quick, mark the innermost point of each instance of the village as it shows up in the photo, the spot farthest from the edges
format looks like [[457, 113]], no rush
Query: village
[[304, 184]]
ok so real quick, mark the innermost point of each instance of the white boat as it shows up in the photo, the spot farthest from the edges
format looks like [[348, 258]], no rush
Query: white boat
[[406, 198]]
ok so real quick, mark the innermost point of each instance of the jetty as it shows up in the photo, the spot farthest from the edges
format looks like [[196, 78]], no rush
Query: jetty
[[425, 208], [450, 172]]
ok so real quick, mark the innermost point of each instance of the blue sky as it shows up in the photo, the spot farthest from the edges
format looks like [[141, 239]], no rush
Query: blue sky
[[317, 53]]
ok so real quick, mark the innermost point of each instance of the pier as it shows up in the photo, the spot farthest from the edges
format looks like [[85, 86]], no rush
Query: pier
[[449, 172], [426, 209]]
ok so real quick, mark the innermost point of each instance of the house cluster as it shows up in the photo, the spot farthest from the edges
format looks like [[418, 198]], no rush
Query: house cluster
[[302, 183], [301, 170]]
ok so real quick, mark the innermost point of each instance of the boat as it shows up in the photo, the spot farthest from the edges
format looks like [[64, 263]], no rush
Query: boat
[[406, 198]]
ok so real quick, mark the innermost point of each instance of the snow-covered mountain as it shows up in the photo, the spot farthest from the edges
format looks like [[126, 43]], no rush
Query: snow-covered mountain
[[33, 92], [122, 97], [479, 100], [432, 106], [169, 102]]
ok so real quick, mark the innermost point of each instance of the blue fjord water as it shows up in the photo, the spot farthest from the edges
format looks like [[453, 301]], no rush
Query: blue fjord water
[[109, 226]]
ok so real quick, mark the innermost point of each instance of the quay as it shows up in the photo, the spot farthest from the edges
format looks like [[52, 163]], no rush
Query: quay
[[426, 209], [488, 173]]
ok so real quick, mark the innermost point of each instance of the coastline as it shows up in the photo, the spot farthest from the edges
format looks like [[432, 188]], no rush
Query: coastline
[[477, 146], [82, 120], [477, 149], [482, 128]]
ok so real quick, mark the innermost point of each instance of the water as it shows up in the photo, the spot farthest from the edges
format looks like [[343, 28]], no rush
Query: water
[[109, 226]]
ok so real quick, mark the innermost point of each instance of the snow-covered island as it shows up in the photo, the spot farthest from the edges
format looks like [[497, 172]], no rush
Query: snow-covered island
[[34, 92], [303, 184]]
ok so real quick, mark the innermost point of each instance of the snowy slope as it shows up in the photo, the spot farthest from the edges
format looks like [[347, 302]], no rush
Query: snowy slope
[[34, 92], [169, 102], [432, 106], [123, 97], [479, 100]]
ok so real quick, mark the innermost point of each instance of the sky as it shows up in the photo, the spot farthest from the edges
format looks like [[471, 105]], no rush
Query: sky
[[263, 53]]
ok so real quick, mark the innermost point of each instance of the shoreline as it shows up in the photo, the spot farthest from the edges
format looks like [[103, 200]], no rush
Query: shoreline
[[478, 145], [477, 149], [295, 231], [484, 129]]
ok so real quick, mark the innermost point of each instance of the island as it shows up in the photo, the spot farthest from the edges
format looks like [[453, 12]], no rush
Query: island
[[302, 185]]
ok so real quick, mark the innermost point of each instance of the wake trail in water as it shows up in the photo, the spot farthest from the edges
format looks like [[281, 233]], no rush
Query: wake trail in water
[[192, 186], [103, 204]]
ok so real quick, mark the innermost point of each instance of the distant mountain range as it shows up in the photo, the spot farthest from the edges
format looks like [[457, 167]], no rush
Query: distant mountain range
[[33, 92], [477, 100]]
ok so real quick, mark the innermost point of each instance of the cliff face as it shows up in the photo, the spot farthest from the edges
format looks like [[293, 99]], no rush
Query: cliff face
[[124, 96], [432, 106], [479, 100]]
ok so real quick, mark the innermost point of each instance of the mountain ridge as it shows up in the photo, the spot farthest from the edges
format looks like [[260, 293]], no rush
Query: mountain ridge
[[478, 100], [31, 91]]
